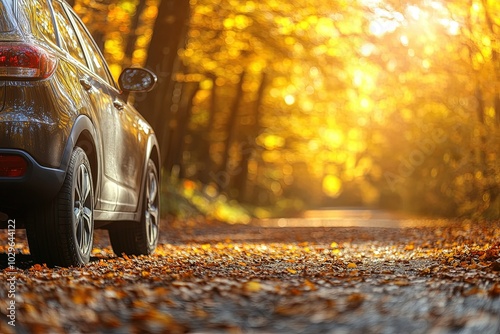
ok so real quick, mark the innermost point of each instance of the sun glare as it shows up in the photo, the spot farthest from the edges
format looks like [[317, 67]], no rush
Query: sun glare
[[385, 20], [289, 99], [414, 12]]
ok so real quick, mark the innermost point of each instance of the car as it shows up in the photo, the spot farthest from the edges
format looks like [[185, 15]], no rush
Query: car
[[75, 155]]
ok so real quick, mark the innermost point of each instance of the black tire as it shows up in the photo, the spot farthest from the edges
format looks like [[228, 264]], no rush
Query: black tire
[[61, 234], [141, 238]]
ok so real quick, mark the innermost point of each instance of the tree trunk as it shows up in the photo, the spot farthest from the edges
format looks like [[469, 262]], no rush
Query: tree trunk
[[183, 119], [169, 35], [480, 110], [496, 103], [99, 39], [497, 110], [206, 138], [132, 36], [249, 146], [231, 126]]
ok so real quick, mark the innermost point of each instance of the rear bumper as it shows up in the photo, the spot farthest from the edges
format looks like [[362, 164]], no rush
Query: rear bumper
[[37, 186]]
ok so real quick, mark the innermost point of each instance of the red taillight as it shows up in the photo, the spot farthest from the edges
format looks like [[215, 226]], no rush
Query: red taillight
[[25, 61], [12, 166]]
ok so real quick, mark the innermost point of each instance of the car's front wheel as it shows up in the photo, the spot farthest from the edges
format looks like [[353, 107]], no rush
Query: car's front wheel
[[141, 238], [61, 233]]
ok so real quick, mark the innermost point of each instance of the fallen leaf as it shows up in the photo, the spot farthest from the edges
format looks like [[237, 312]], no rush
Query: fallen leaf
[[355, 300], [252, 286]]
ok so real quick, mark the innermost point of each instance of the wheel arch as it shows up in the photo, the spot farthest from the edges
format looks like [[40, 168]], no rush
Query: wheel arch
[[155, 156], [84, 135], [153, 153], [87, 143]]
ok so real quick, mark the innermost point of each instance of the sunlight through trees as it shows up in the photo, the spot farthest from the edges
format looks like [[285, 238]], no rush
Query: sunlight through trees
[[392, 104]]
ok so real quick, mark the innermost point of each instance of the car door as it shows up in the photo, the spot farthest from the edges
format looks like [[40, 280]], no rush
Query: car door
[[132, 138], [122, 131], [101, 111]]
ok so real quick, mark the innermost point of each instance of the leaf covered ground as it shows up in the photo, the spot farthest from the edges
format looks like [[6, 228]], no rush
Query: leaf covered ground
[[423, 277]]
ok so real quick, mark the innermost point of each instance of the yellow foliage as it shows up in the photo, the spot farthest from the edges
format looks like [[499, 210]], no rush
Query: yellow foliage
[[356, 91]]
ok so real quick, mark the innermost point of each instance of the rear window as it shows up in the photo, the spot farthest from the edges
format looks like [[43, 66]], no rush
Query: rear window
[[22, 18], [39, 17], [6, 16]]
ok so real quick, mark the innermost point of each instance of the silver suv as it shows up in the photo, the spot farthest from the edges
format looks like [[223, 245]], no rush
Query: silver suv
[[74, 154]]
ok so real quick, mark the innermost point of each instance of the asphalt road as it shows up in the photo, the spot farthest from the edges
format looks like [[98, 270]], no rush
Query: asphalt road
[[327, 272]]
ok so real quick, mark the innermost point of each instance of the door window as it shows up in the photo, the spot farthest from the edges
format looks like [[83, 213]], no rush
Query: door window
[[68, 37], [97, 62]]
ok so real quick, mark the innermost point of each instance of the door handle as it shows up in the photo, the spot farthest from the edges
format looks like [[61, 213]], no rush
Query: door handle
[[86, 84], [118, 105]]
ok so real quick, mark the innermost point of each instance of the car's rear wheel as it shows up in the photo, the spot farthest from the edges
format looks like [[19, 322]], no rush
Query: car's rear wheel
[[141, 238], [61, 233]]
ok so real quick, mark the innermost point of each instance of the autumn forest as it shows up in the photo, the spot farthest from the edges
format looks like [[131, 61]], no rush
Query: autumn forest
[[276, 106]]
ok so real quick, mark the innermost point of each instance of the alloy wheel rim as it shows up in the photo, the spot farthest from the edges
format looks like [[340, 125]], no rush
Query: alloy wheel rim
[[151, 212], [83, 213]]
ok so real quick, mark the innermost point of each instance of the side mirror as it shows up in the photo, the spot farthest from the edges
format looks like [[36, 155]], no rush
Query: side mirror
[[135, 79]]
